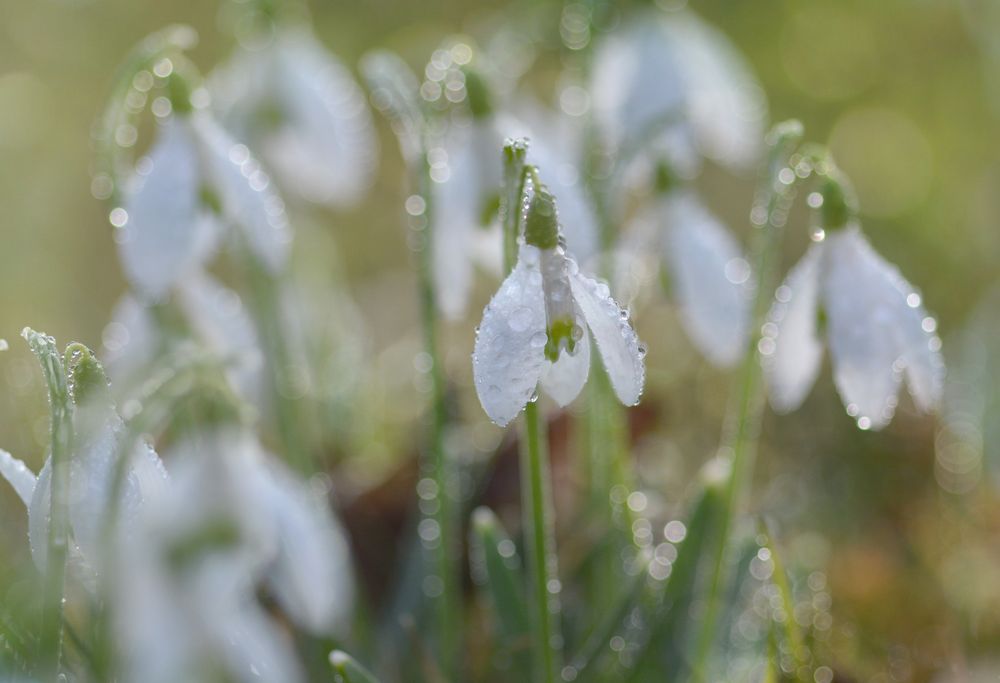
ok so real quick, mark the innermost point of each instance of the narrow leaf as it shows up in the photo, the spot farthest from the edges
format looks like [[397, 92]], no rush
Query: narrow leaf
[[349, 670]]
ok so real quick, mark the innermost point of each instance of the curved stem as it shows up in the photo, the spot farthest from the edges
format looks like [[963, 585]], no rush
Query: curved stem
[[742, 429], [445, 560]]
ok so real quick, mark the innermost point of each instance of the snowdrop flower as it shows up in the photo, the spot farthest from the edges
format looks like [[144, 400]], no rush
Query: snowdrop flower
[[875, 326], [194, 182], [233, 522], [216, 317], [670, 79], [93, 463], [710, 278], [534, 330], [297, 104]]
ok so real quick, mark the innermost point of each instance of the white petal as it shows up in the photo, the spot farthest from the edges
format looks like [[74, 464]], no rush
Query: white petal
[[724, 101], [18, 476], [131, 342], [248, 199], [310, 574], [616, 340], [921, 350], [637, 84], [864, 306], [711, 279], [327, 149], [508, 359], [167, 230], [564, 379], [660, 65], [221, 322], [900, 330], [791, 358], [457, 218]]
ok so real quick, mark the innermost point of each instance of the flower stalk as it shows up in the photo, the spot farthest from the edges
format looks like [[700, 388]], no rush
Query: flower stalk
[[61, 445], [742, 427]]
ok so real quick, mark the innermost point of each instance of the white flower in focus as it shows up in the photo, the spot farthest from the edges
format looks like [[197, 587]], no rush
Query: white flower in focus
[[875, 326], [194, 182], [233, 522], [667, 77], [534, 330], [297, 104], [710, 279]]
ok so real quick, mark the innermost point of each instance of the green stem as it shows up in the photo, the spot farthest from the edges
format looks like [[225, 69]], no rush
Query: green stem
[[536, 510], [445, 561], [44, 348], [742, 429], [265, 290]]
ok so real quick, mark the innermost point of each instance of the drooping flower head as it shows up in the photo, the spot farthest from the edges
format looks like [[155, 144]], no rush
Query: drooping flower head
[[710, 280], [294, 101], [535, 329], [873, 321], [667, 79]]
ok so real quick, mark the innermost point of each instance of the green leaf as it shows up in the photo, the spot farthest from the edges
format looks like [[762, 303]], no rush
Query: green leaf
[[348, 670], [790, 630], [61, 448], [496, 555], [666, 653]]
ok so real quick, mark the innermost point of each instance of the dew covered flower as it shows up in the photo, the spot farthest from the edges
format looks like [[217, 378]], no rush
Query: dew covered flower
[[535, 329], [667, 79], [709, 277], [300, 107], [871, 318], [194, 184]]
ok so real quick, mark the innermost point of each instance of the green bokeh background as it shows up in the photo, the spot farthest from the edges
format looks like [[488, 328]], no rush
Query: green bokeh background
[[901, 90]]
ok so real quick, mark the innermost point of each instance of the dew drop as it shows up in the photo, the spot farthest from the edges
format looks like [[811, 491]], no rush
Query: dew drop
[[538, 340]]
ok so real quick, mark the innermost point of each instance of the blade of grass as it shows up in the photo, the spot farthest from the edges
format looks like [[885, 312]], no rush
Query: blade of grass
[[503, 581]]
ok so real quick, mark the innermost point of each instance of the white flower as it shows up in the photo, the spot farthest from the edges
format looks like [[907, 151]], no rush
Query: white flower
[[877, 331], [710, 278], [216, 317], [93, 464], [670, 78], [194, 181], [297, 104], [234, 521], [465, 197], [534, 330]]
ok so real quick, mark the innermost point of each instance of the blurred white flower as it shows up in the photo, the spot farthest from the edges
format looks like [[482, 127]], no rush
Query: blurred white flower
[[878, 332], [667, 79], [465, 197], [233, 522], [93, 466], [534, 330], [194, 181], [216, 317], [300, 107], [710, 279]]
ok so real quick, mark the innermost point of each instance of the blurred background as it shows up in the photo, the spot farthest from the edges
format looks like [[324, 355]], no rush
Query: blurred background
[[905, 546]]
